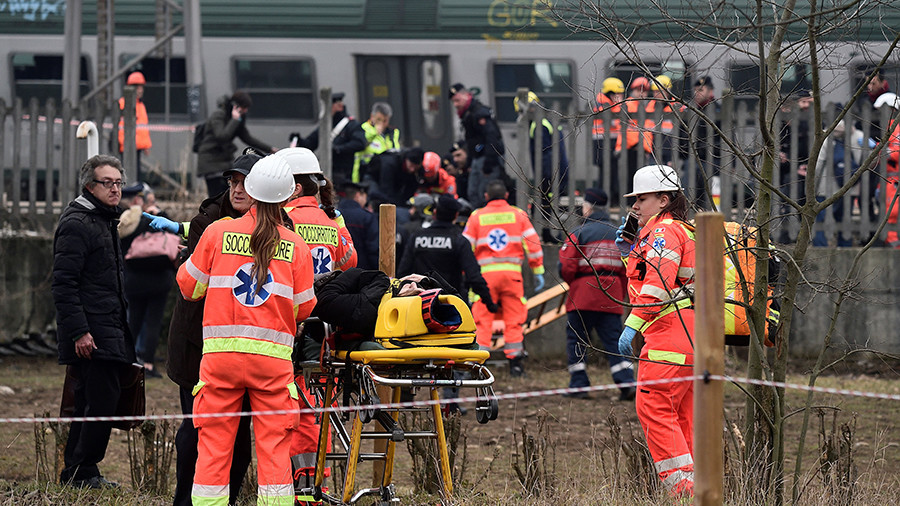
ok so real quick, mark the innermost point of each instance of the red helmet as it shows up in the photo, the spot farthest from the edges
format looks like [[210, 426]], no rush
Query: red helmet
[[431, 162], [640, 82], [439, 317], [135, 78]]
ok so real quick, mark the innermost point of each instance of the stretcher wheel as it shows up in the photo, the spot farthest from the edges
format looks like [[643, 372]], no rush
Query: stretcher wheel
[[483, 412], [494, 406], [367, 413]]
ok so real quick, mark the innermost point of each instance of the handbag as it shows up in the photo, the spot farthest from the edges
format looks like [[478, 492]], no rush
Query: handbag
[[132, 397], [152, 244]]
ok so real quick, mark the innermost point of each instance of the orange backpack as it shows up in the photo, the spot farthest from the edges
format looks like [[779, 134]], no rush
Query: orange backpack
[[740, 262]]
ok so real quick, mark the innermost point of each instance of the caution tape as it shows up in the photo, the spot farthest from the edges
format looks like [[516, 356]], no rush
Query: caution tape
[[152, 128], [425, 403]]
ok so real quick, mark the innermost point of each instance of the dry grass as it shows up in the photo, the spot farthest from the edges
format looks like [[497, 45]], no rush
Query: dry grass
[[590, 451]]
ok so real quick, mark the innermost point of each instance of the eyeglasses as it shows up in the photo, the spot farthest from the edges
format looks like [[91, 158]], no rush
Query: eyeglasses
[[110, 184], [234, 182]]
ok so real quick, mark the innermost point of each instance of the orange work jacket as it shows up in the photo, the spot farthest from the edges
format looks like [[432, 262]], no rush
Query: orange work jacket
[[445, 184], [603, 103], [238, 315], [502, 237], [142, 134], [329, 243], [633, 134]]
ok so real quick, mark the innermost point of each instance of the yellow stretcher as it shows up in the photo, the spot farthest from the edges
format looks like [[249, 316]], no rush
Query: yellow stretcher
[[402, 355]]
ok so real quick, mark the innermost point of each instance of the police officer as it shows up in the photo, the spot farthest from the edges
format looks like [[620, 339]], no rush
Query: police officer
[[442, 248]]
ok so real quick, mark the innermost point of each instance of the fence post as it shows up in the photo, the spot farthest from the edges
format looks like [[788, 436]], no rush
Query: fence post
[[129, 148], [49, 148], [709, 351], [17, 160], [387, 263], [325, 127], [33, 112]]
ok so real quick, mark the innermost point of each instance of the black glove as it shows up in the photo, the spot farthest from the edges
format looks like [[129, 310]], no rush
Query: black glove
[[493, 307]]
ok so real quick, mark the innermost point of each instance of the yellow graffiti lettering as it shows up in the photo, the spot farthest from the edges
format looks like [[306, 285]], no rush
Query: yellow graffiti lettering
[[503, 13]]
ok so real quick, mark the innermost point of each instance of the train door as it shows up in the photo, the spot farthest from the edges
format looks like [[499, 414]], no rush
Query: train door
[[415, 87]]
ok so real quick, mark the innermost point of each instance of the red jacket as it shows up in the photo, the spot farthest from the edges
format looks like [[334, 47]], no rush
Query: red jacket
[[445, 184], [330, 243], [239, 316], [591, 249]]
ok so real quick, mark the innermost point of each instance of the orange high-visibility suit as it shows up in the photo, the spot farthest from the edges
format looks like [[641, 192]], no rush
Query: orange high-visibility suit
[[502, 236], [893, 177], [598, 130], [248, 335], [443, 183], [142, 133], [660, 268], [332, 249], [633, 133]]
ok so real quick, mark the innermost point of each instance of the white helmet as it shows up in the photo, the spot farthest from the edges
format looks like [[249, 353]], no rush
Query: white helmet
[[270, 180], [655, 178], [890, 99], [301, 160]]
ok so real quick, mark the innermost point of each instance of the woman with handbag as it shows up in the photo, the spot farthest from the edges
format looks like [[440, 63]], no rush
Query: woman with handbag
[[149, 272], [256, 275]]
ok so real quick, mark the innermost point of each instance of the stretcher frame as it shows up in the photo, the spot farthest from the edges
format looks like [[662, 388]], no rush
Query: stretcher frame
[[354, 377]]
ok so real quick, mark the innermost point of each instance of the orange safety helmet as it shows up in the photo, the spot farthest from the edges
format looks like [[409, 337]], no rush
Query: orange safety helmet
[[431, 162], [135, 78], [640, 82]]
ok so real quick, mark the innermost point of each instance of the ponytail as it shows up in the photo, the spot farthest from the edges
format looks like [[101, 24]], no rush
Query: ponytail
[[327, 198], [678, 205], [264, 240]]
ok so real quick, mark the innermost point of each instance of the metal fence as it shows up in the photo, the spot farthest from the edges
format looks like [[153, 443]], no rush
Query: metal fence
[[40, 158], [715, 167]]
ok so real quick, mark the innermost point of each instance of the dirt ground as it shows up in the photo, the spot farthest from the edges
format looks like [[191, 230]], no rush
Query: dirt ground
[[580, 441]]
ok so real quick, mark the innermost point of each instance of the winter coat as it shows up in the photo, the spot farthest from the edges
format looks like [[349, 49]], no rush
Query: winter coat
[[185, 346], [363, 227], [217, 148], [483, 137], [350, 300], [590, 251], [88, 282], [441, 248]]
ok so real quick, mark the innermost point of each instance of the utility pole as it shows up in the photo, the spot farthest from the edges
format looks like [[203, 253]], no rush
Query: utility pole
[[72, 54], [106, 33], [194, 59]]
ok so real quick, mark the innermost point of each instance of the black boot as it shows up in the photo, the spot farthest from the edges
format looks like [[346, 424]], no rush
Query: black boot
[[516, 369]]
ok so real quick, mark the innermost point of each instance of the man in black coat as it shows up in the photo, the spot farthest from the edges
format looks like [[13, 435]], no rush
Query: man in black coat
[[217, 148], [484, 143], [362, 224], [347, 137], [92, 326], [185, 347]]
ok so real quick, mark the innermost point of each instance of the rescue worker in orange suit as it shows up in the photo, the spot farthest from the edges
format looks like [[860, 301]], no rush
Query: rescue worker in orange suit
[[142, 133], [433, 179], [665, 102], [638, 136], [892, 101], [660, 271], [256, 275], [590, 263], [611, 96], [502, 237], [331, 249]]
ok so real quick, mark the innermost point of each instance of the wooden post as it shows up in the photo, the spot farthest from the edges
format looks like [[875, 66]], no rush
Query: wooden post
[[387, 254], [709, 351]]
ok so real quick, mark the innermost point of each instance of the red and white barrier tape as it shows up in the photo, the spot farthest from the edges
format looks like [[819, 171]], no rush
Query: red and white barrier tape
[[150, 127], [516, 395]]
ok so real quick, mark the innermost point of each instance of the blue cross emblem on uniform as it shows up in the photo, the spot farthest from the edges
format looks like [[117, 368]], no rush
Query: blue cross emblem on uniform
[[245, 288], [321, 258], [497, 239]]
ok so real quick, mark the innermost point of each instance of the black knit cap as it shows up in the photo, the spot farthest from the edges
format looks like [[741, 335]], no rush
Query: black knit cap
[[705, 81], [596, 196], [337, 97], [446, 207]]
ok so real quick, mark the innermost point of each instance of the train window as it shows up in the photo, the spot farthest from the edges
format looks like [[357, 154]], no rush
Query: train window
[[281, 88], [41, 76], [675, 69], [154, 70], [432, 76], [551, 80], [744, 78]]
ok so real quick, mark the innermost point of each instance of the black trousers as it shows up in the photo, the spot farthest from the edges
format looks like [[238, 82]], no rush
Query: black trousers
[[186, 450], [96, 394]]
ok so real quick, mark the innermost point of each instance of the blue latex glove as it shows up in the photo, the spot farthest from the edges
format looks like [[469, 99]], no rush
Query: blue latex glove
[[162, 223], [624, 247], [538, 282], [625, 341]]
